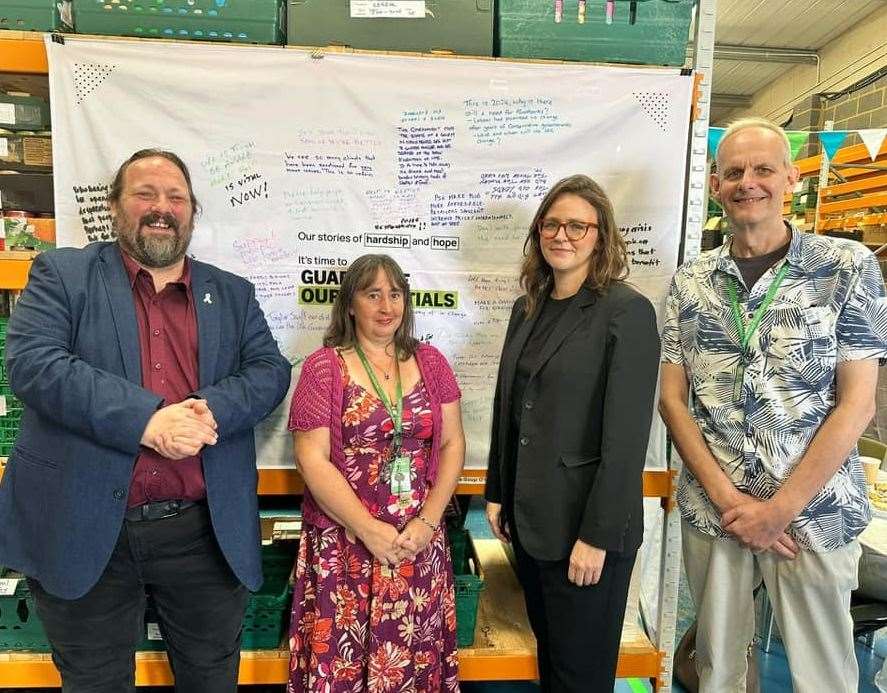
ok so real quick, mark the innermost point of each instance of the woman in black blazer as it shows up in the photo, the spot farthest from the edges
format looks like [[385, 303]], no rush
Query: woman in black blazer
[[571, 420]]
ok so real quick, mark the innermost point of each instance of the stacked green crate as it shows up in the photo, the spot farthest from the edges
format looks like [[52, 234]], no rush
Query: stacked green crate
[[10, 406], [35, 15], [242, 21], [468, 584], [20, 629], [457, 26], [651, 32], [267, 611]]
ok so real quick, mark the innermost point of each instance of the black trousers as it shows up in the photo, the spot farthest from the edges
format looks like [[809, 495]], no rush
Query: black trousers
[[577, 629], [200, 606]]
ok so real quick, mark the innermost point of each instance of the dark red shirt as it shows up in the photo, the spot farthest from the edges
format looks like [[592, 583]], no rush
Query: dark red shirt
[[168, 344]]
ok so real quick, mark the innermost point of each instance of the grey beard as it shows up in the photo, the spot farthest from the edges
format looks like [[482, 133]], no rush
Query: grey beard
[[159, 252], [155, 252]]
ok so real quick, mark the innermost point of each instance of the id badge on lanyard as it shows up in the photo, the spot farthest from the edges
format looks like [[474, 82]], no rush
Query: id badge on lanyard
[[400, 464]]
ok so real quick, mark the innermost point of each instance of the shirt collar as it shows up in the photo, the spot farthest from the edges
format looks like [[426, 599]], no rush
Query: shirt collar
[[133, 270], [794, 256]]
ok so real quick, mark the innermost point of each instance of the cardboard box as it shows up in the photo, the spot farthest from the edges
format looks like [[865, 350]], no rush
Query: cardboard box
[[25, 150]]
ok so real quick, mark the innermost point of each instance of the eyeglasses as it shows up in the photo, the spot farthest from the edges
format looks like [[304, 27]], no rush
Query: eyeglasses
[[575, 230]]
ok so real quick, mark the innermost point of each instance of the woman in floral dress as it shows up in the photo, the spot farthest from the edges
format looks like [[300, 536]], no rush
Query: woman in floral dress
[[378, 439]]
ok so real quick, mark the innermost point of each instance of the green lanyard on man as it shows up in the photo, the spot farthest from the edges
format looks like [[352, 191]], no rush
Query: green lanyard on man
[[746, 333]]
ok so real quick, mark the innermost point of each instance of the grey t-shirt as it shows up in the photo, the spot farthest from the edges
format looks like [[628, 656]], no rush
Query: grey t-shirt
[[753, 268]]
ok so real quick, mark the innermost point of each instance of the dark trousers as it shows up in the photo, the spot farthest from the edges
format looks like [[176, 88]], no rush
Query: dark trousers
[[577, 629], [200, 606]]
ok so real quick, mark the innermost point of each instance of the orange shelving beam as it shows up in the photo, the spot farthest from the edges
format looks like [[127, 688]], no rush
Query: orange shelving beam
[[857, 154], [23, 52]]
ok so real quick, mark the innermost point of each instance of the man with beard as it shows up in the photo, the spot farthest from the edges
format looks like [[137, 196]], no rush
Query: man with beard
[[142, 373]]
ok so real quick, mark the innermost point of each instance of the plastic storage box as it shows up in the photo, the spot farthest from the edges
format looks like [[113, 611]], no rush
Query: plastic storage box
[[242, 21], [31, 192], [469, 583], [35, 15], [21, 112], [656, 32], [20, 629], [267, 611], [456, 26]]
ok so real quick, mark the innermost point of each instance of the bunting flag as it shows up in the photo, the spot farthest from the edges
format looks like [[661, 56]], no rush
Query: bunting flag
[[832, 141], [714, 138], [797, 139], [873, 140]]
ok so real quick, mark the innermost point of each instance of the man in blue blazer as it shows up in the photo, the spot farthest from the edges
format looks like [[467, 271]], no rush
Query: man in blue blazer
[[143, 373]]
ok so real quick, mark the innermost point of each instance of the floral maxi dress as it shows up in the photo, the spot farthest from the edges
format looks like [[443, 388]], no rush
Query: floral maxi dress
[[358, 626]]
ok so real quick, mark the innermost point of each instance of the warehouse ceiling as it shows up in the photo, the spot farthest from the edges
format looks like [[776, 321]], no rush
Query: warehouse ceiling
[[796, 28]]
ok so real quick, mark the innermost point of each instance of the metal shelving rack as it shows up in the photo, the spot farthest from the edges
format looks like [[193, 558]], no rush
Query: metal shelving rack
[[504, 649]]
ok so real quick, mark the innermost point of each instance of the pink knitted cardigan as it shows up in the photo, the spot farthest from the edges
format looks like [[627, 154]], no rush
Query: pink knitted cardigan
[[318, 400]]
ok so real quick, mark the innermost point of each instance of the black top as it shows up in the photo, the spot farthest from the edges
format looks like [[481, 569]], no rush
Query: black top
[[753, 268], [551, 312]]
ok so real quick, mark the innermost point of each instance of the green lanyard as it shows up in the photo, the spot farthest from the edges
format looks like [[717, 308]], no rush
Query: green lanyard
[[746, 333], [745, 336], [395, 409]]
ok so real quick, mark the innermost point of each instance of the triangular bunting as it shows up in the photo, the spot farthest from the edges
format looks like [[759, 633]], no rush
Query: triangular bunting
[[873, 139], [797, 139], [714, 138], [831, 141]]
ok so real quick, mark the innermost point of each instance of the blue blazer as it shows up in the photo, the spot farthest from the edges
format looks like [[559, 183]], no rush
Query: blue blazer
[[72, 354]]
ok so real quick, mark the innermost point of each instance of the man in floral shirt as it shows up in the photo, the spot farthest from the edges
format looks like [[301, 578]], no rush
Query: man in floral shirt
[[774, 341]]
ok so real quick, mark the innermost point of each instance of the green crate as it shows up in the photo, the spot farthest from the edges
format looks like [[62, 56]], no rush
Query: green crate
[[267, 611], [469, 583], [22, 112], [659, 36], [240, 21], [20, 629], [34, 15], [456, 26], [458, 537]]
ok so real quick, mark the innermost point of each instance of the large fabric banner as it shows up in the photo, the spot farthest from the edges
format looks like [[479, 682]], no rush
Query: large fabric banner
[[304, 161]]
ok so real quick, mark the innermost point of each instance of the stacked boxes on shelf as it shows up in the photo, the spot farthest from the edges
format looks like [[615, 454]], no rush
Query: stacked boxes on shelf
[[450, 26], [25, 199], [242, 21], [25, 139], [32, 150]]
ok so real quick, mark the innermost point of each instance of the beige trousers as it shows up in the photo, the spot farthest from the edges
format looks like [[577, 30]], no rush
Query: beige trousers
[[810, 596]]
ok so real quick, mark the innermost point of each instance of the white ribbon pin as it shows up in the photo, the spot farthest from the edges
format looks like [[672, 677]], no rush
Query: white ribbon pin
[[207, 298]]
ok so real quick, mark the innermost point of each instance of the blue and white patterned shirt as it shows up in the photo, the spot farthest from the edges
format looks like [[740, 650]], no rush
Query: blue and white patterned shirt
[[830, 308]]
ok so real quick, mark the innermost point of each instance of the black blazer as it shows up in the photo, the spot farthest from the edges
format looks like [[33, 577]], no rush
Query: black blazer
[[584, 427]]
